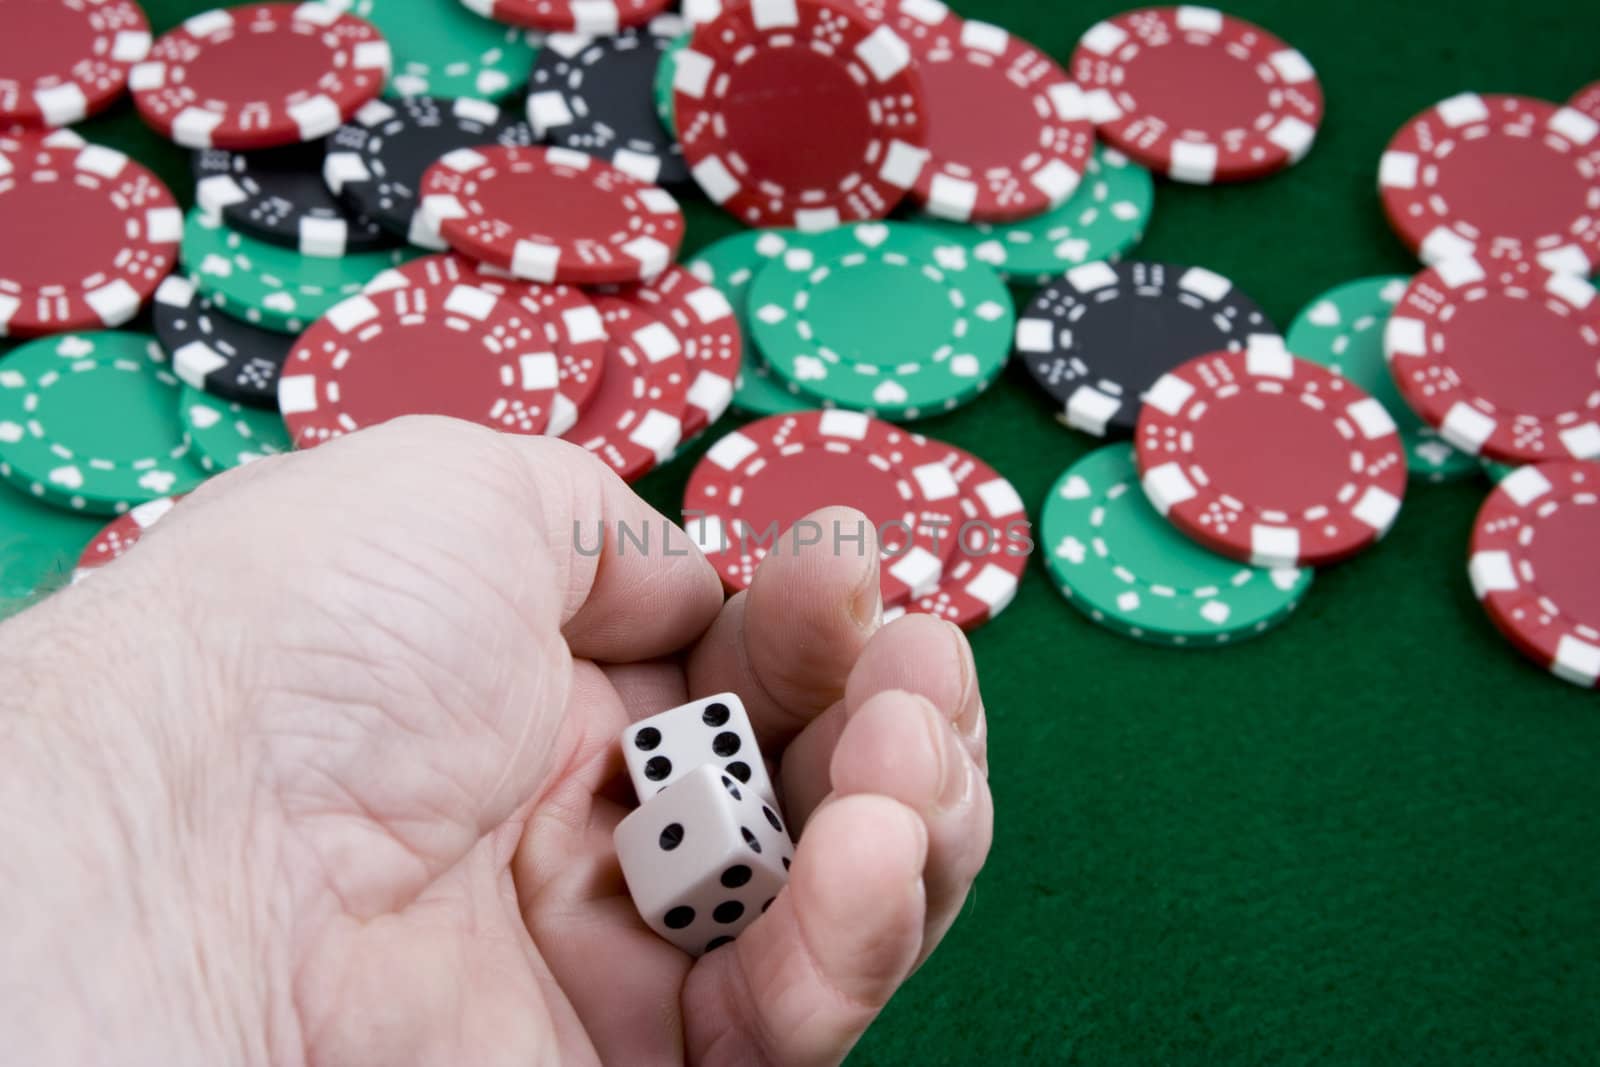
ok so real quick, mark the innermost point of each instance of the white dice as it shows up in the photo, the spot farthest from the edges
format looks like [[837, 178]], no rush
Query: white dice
[[704, 857], [664, 748]]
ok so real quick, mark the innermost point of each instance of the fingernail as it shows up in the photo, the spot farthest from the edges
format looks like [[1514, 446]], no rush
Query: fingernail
[[961, 652], [954, 774], [866, 603], [958, 643]]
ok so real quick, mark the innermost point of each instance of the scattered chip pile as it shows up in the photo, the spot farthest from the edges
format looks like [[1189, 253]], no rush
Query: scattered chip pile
[[473, 209]]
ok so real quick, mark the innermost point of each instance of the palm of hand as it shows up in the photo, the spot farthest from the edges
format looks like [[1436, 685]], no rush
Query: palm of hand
[[433, 775]]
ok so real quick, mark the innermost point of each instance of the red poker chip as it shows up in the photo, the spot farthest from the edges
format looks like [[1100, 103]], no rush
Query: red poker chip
[[63, 60], [992, 546], [570, 321], [1007, 135], [1271, 459], [1532, 566], [593, 17], [575, 332], [756, 79], [1198, 95], [760, 480], [1481, 175], [636, 420], [706, 329], [91, 232], [549, 215], [260, 75], [121, 534], [17, 138], [1502, 358], [454, 350], [878, 10], [1587, 100]]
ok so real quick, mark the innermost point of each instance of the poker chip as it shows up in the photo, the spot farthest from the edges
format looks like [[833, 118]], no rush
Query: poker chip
[[1097, 338], [89, 422], [1270, 459], [597, 95], [216, 352], [1008, 137], [376, 160], [270, 286], [731, 265], [454, 350], [63, 60], [18, 138], [635, 422], [1587, 100], [885, 318], [1102, 220], [703, 325], [1198, 95], [1532, 566], [226, 435], [443, 269], [442, 49], [91, 233], [571, 16], [1502, 357], [700, 12], [549, 215], [571, 325], [754, 79], [991, 546], [754, 484], [1477, 175], [121, 534], [278, 195], [259, 75], [661, 86], [1126, 568], [1343, 330]]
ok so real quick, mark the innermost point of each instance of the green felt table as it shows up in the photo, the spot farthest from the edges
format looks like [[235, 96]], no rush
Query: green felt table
[[1368, 837]]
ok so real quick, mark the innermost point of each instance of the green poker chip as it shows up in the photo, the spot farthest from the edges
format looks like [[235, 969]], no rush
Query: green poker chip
[[227, 435], [666, 73], [39, 545], [1343, 330], [1105, 218], [270, 286], [89, 422], [885, 318], [1128, 569], [731, 265], [443, 49]]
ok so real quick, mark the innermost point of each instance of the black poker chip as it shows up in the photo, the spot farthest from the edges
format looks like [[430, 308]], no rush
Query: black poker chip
[[375, 161], [278, 195], [214, 352], [1097, 338], [597, 95]]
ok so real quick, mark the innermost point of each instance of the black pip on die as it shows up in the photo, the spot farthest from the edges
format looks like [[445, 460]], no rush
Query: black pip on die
[[703, 858], [663, 748]]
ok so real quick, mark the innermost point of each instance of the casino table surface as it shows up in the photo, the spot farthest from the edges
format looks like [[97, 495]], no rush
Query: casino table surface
[[1368, 837]]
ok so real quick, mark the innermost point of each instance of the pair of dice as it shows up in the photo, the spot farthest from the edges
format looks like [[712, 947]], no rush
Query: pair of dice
[[706, 852]]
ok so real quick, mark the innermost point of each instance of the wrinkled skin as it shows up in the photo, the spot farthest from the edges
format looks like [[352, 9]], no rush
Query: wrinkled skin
[[325, 771]]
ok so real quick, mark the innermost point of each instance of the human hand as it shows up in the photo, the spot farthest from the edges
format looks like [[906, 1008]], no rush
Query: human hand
[[326, 772]]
